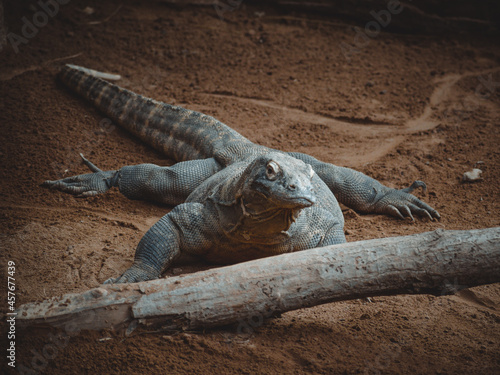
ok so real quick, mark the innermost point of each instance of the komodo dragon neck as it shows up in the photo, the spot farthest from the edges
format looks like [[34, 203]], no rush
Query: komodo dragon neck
[[255, 223]]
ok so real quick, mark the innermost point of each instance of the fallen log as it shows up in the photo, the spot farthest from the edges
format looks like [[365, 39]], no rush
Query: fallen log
[[439, 262]]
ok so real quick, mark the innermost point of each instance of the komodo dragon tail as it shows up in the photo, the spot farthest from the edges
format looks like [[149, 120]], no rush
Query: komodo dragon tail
[[179, 133]]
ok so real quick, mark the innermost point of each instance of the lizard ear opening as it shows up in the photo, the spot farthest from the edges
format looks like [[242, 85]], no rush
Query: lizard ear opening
[[272, 170]]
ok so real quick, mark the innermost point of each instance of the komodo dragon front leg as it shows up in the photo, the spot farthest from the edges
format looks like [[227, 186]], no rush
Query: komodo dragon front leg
[[167, 185], [365, 194], [182, 230]]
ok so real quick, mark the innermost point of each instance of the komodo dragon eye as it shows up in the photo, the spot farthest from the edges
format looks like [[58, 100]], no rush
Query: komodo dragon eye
[[272, 170]]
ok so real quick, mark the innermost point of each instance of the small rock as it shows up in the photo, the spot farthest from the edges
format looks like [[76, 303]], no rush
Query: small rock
[[177, 271], [369, 84], [88, 11], [383, 92], [474, 175]]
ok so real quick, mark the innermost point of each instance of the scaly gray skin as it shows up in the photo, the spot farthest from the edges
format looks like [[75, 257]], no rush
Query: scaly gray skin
[[235, 201]]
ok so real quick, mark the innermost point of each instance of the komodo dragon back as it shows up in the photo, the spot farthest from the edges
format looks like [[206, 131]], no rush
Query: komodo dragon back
[[179, 133]]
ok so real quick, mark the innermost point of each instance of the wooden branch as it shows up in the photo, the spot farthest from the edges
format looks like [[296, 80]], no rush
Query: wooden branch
[[439, 262]]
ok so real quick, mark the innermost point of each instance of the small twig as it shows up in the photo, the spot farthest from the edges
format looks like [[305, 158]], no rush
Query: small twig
[[95, 73], [7, 76], [62, 58]]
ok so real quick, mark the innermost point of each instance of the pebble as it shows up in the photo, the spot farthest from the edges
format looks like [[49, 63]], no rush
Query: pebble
[[177, 271], [474, 175], [88, 11]]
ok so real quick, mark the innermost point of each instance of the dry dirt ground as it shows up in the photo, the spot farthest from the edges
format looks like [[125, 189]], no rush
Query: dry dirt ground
[[403, 107]]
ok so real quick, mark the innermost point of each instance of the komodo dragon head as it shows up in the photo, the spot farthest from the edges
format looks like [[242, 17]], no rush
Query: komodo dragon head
[[270, 194], [276, 181]]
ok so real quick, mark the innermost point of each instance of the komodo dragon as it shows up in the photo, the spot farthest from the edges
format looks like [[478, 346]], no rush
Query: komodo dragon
[[235, 200]]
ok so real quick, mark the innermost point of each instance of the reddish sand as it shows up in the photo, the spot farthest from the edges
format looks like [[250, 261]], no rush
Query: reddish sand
[[405, 107]]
